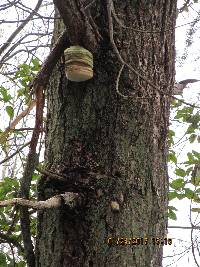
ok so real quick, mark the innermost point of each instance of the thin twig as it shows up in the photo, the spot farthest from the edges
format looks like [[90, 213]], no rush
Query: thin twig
[[22, 129], [185, 227], [15, 153], [21, 26], [5, 134], [117, 82]]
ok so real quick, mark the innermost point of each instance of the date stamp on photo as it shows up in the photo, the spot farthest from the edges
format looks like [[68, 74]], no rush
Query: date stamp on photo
[[136, 241]]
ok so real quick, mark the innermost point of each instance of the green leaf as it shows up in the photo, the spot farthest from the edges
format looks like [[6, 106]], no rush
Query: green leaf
[[189, 193], [181, 196], [184, 113], [172, 157], [189, 170], [8, 186], [196, 210], [172, 195], [180, 172], [35, 177], [170, 137], [20, 92], [4, 93], [2, 259], [190, 156], [194, 120], [192, 138], [196, 154], [196, 197], [177, 184], [171, 133], [198, 190], [172, 215], [36, 64], [190, 129], [10, 111], [193, 158]]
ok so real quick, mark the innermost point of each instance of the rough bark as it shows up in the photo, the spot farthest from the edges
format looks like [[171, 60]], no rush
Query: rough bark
[[90, 128]]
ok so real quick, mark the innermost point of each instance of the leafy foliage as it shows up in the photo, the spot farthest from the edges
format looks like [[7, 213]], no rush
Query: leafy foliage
[[187, 183], [25, 76], [171, 213], [8, 190]]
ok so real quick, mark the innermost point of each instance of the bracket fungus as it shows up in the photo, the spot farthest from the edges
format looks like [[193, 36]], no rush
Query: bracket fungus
[[78, 64]]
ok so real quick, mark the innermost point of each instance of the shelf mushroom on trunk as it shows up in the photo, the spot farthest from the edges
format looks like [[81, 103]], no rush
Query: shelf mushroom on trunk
[[78, 64]]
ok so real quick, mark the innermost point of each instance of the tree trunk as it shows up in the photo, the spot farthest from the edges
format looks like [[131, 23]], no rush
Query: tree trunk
[[121, 141]]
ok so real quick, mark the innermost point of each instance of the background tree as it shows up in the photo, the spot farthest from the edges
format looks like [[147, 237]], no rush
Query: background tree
[[105, 169]]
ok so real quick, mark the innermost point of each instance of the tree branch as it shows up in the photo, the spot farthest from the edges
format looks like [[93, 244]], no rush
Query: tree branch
[[21, 26], [15, 153], [5, 134], [79, 29], [69, 198], [185, 227]]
